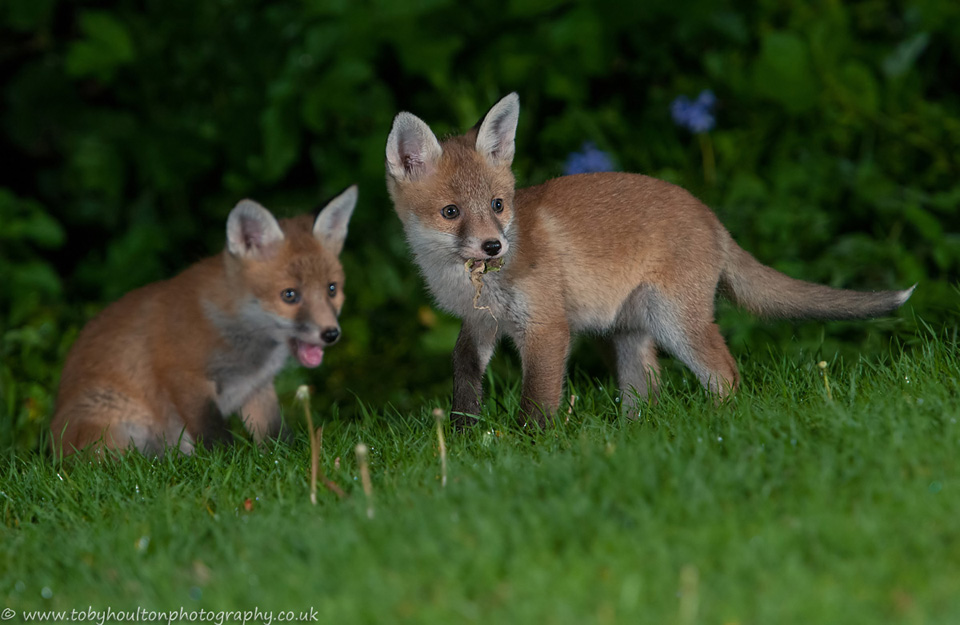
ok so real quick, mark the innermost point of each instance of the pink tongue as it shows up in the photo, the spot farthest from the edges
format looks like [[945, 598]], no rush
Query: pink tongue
[[308, 354]]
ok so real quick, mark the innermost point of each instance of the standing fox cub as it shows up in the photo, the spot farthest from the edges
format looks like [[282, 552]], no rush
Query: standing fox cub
[[164, 365], [625, 255]]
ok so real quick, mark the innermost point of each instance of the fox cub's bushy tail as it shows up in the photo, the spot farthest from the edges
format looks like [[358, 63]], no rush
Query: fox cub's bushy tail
[[766, 292]]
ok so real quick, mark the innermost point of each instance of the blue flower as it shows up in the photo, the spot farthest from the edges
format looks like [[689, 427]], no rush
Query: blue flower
[[697, 115], [589, 159]]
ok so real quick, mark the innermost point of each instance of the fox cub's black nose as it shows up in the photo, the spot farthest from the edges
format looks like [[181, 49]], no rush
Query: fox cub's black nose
[[330, 335], [491, 247]]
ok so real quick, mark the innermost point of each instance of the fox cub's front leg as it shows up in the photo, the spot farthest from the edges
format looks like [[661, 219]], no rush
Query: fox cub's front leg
[[470, 359], [544, 349], [261, 414]]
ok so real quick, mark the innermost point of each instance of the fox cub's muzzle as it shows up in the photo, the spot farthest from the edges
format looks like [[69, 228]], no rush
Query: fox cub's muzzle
[[485, 248], [329, 336], [491, 247]]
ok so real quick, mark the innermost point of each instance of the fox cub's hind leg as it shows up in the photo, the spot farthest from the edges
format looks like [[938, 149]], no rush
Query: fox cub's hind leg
[[701, 347], [638, 372], [715, 366], [108, 420], [684, 327]]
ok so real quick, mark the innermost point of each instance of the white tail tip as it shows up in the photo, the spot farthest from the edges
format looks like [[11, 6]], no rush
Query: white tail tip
[[905, 295]]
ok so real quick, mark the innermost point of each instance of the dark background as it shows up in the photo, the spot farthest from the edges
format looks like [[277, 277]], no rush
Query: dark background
[[129, 129]]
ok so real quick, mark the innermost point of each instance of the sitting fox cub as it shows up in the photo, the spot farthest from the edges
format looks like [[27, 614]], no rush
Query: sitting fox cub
[[166, 363], [626, 255]]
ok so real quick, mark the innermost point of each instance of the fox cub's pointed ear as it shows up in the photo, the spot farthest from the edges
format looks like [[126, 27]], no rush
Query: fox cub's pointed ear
[[412, 148], [495, 139], [331, 225], [251, 230]]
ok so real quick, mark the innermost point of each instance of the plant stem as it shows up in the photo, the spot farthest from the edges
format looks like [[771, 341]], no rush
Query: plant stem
[[709, 162]]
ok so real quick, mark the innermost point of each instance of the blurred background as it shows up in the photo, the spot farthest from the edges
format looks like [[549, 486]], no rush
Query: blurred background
[[825, 135]]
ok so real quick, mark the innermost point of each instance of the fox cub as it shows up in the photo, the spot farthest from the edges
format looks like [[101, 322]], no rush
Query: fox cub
[[625, 255], [164, 365]]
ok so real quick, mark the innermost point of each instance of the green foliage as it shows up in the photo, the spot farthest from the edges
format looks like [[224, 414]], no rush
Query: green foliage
[[129, 130], [105, 47], [782, 506], [31, 300]]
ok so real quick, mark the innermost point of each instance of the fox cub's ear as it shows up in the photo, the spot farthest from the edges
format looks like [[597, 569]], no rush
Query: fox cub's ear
[[331, 225], [251, 229], [412, 148], [495, 139]]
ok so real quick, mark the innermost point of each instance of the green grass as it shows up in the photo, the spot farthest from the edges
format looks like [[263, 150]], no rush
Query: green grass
[[781, 506]]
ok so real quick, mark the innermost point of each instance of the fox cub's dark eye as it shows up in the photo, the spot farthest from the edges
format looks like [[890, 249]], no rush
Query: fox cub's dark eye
[[290, 296], [332, 289], [450, 211], [497, 205]]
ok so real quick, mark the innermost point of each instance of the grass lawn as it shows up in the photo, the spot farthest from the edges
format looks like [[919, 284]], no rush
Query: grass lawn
[[782, 506]]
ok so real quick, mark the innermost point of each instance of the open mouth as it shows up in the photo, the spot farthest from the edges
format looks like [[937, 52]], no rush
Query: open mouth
[[309, 354]]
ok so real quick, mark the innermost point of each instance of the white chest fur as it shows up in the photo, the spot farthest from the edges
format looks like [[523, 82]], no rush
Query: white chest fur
[[437, 255], [254, 350], [454, 292], [234, 390]]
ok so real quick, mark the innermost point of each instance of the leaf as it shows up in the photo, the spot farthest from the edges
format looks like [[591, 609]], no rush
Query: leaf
[[441, 338], [532, 8], [38, 228], [783, 72], [34, 276], [26, 220], [106, 47], [132, 260], [96, 165], [928, 225], [859, 86], [26, 15], [281, 141], [903, 58]]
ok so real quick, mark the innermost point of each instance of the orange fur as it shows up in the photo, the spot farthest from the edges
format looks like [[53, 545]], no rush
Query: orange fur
[[625, 255], [164, 365]]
